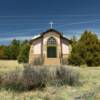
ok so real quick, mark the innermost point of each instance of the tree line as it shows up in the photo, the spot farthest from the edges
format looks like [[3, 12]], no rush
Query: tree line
[[85, 50], [17, 50]]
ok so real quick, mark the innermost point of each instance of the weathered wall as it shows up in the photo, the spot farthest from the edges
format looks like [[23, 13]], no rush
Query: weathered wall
[[39, 47], [66, 48], [35, 50]]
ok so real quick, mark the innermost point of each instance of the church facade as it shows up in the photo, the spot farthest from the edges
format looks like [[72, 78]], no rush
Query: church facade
[[51, 46]]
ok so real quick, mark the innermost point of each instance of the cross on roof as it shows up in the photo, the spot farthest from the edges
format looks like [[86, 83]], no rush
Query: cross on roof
[[51, 24]]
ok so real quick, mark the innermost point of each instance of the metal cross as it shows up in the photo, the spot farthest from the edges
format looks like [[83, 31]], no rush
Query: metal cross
[[51, 24]]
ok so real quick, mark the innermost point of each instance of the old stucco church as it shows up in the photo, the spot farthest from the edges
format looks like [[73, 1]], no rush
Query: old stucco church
[[50, 45]]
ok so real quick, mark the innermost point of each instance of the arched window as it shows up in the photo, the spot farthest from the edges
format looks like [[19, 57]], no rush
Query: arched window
[[51, 41]]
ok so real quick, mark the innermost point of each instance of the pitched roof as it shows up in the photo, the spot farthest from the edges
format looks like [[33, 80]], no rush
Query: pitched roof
[[52, 30], [49, 30]]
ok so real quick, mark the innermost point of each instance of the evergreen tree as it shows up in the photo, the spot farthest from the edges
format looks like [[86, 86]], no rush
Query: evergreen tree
[[2, 53], [15, 47], [23, 56], [86, 50]]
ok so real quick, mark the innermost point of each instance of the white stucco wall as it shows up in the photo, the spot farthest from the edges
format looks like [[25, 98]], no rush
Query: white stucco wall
[[65, 48], [37, 48]]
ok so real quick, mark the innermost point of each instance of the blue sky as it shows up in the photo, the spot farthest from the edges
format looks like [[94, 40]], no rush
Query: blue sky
[[22, 19]]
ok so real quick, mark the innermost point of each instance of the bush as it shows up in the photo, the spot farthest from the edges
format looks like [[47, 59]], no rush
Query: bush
[[34, 77], [38, 77], [13, 81], [64, 61], [75, 59], [23, 56], [38, 61], [66, 75]]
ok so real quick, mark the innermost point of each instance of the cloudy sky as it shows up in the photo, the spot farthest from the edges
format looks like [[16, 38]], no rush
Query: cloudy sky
[[22, 19]]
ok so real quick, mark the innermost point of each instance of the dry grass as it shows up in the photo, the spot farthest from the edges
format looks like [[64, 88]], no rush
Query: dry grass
[[89, 75], [9, 65]]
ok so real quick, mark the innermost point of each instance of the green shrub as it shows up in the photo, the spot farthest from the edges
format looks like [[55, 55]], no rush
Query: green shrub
[[23, 56], [75, 59]]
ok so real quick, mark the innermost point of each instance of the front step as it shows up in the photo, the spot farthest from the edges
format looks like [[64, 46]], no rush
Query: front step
[[52, 61]]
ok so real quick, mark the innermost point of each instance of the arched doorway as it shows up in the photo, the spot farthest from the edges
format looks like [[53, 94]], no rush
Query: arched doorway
[[51, 48]]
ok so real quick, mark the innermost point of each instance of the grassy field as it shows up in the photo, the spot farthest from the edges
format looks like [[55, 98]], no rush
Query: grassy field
[[9, 65], [90, 90]]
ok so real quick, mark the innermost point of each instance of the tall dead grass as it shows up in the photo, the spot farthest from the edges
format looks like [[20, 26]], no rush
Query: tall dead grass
[[37, 77]]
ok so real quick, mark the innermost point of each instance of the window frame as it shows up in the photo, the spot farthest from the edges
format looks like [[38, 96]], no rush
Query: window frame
[[51, 41]]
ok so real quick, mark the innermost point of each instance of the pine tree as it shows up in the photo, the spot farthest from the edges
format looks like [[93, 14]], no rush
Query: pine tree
[[23, 56], [86, 50]]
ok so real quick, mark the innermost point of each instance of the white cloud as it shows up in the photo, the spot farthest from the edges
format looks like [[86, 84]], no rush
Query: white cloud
[[18, 38]]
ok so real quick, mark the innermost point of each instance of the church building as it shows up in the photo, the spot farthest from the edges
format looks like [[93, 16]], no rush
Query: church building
[[51, 45]]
